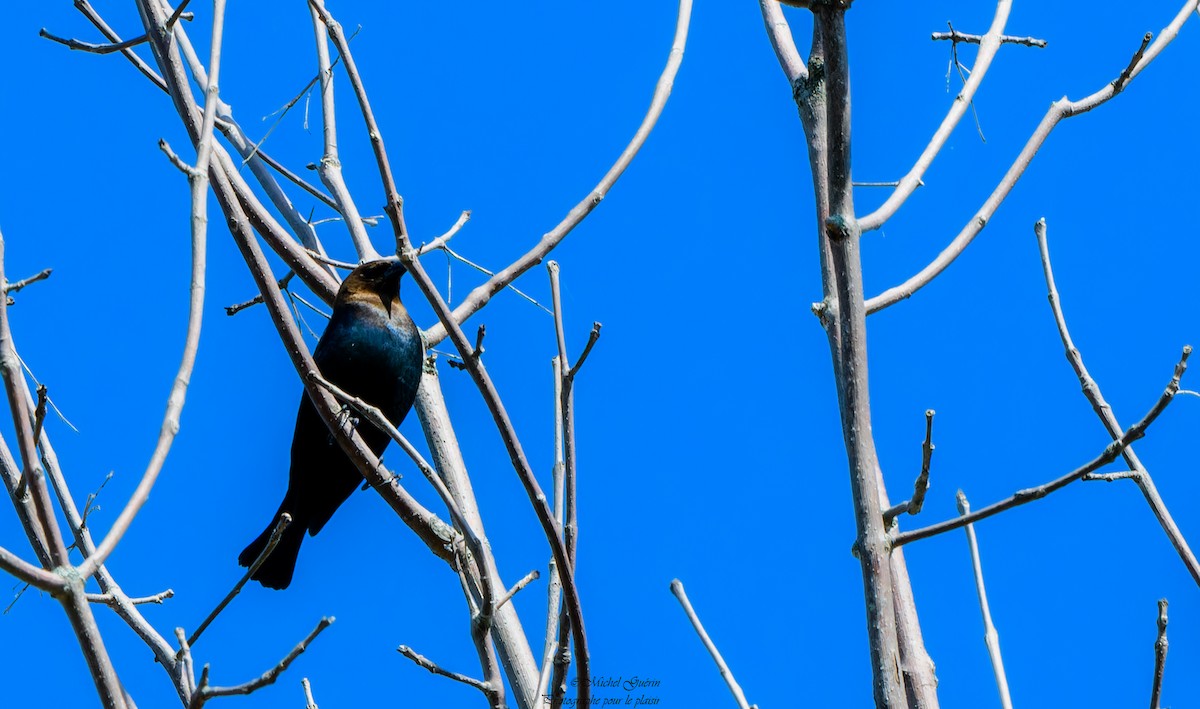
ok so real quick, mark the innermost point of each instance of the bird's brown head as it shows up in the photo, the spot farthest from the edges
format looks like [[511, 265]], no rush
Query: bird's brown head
[[376, 282]]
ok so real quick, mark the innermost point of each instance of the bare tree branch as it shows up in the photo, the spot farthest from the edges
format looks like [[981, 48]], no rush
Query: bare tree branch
[[738, 695], [204, 691], [436, 669], [309, 702], [284, 520], [109, 599], [441, 240], [782, 42], [847, 341], [1160, 655], [1123, 80], [91, 48], [529, 578], [511, 641], [394, 209], [30, 574], [118, 600], [1091, 390], [18, 285], [330, 168], [67, 587], [955, 36], [1111, 451], [1059, 110], [990, 637], [479, 297], [199, 187], [553, 638], [320, 280], [914, 504], [239, 307], [428, 528], [988, 46]]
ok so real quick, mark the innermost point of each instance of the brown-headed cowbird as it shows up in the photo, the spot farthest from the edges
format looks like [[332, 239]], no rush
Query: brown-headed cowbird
[[370, 349]]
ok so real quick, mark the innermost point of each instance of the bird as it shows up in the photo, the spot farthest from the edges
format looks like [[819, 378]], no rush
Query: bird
[[370, 349]]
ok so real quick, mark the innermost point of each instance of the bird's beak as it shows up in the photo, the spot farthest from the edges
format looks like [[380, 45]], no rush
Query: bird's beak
[[395, 270]]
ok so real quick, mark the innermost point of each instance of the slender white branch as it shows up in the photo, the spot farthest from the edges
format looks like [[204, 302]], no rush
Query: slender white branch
[[441, 240], [1091, 390], [1160, 655], [990, 637], [1059, 110], [330, 168], [170, 426], [738, 695], [479, 297], [782, 41], [988, 46]]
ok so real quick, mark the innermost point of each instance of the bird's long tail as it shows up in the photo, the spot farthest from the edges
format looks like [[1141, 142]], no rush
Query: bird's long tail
[[276, 571]]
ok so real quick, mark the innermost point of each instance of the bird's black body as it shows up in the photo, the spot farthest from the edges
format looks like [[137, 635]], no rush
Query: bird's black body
[[370, 349]]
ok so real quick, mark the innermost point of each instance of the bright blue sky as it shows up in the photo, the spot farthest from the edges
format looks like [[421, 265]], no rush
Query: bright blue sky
[[708, 432]]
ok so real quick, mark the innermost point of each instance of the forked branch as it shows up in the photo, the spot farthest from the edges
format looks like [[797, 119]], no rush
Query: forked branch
[[1021, 497], [1059, 110]]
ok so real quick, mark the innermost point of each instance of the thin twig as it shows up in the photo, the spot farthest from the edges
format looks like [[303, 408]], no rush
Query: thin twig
[[32, 476], [175, 16], [18, 285], [239, 307], [989, 45], [199, 183], [394, 209], [1059, 110], [244, 214], [991, 638], [309, 702], [1123, 80], [186, 663], [554, 586], [593, 337], [344, 265], [479, 297], [1021, 497], [893, 183], [323, 282], [914, 504], [1091, 390], [90, 13], [481, 269], [377, 419], [1160, 655], [178, 162], [91, 48], [283, 111], [276, 534], [330, 167], [956, 64], [436, 669], [109, 599], [529, 577], [28, 573], [204, 691], [39, 413], [784, 45], [738, 695], [441, 240], [164, 653], [955, 36], [921, 486], [569, 473]]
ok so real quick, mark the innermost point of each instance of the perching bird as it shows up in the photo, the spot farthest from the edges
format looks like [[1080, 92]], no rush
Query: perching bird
[[370, 349]]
